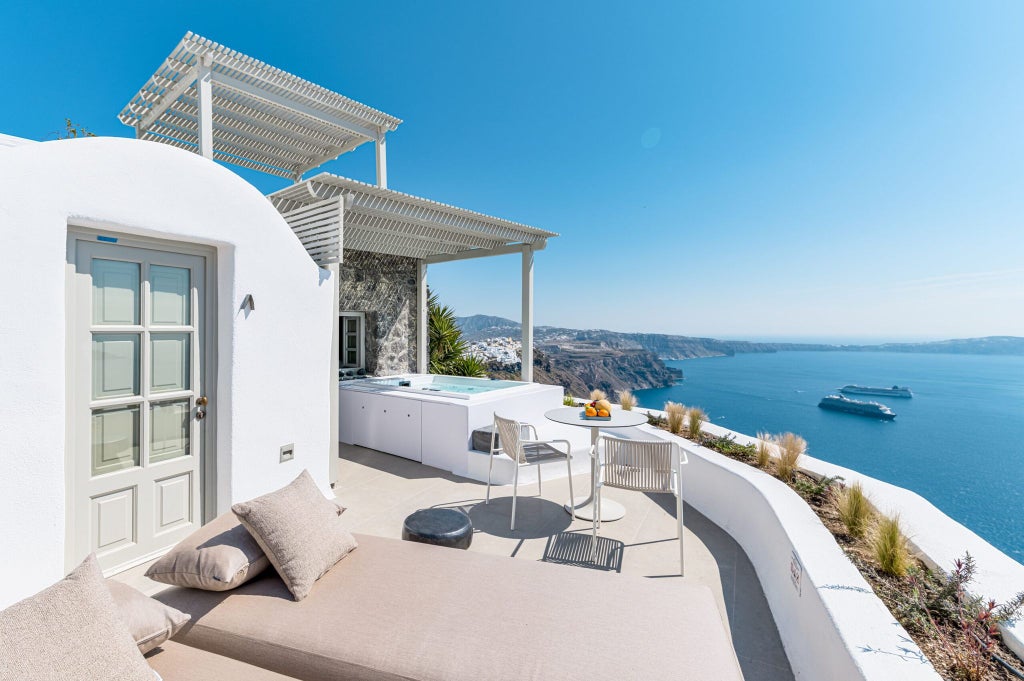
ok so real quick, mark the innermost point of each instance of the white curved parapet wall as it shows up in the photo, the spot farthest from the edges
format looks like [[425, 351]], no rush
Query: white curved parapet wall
[[273, 365], [935, 537], [831, 623]]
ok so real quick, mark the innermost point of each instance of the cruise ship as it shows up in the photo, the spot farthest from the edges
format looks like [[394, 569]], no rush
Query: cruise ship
[[895, 391], [842, 403]]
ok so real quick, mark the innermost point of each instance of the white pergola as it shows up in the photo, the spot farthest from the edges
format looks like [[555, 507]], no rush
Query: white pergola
[[224, 105], [329, 213]]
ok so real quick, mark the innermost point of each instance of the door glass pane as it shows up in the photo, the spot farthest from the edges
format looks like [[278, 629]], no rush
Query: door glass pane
[[115, 292], [351, 358], [169, 353], [115, 439], [351, 324], [170, 295], [115, 364], [169, 423]]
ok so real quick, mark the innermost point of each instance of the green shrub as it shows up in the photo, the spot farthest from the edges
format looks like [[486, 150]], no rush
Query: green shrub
[[889, 546], [695, 417], [656, 420], [854, 510], [675, 413], [568, 400], [791, 448]]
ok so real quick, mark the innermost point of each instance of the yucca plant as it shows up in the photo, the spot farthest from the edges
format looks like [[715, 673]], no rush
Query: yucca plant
[[449, 354], [854, 510], [764, 449], [675, 413], [627, 400], [695, 418], [791, 448], [889, 546], [596, 395]]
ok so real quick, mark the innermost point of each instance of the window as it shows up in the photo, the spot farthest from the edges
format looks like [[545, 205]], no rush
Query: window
[[351, 345]]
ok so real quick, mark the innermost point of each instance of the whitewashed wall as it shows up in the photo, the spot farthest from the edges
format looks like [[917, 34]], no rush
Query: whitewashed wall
[[273, 377]]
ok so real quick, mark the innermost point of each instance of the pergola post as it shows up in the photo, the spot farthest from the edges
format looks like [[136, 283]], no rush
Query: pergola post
[[422, 334], [204, 88], [527, 325], [382, 160], [332, 384]]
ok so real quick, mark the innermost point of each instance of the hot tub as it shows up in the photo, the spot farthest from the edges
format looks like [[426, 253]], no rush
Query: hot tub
[[430, 418]]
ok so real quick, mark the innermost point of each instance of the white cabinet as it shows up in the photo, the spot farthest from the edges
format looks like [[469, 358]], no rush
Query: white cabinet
[[383, 422]]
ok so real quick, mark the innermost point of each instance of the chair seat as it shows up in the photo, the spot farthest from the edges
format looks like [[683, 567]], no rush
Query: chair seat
[[541, 452]]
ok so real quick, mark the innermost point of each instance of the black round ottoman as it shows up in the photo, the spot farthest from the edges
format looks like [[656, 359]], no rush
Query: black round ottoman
[[440, 526]]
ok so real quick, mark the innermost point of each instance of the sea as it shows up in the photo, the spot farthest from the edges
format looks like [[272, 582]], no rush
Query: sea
[[959, 442]]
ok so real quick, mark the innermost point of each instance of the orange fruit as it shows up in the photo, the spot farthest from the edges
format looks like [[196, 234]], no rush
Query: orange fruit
[[604, 412], [591, 411]]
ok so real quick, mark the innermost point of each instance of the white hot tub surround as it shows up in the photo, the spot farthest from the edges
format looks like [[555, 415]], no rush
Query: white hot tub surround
[[431, 419]]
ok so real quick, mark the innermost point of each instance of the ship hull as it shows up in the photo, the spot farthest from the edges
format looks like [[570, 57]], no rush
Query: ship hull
[[884, 392], [857, 412]]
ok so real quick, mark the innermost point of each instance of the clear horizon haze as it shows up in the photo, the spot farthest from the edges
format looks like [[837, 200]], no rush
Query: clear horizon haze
[[743, 170]]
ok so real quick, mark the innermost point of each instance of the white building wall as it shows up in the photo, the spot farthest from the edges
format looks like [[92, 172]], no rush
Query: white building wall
[[273, 372]]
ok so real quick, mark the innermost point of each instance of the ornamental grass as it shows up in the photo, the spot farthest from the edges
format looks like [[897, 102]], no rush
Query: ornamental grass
[[854, 510], [627, 400], [695, 418], [675, 413], [791, 448], [888, 545]]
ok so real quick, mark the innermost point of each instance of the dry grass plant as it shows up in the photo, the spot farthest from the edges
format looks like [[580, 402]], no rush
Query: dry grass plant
[[764, 449], [627, 400], [888, 546], [675, 413], [854, 510], [791, 448], [596, 395], [695, 418]]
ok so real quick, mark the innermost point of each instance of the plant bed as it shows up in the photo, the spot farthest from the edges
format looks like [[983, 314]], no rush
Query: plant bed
[[956, 631]]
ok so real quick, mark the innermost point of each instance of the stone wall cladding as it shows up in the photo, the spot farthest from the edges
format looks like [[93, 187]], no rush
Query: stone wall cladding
[[384, 288]]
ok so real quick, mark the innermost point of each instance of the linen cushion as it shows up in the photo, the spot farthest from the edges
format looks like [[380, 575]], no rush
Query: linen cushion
[[299, 530], [219, 556], [177, 662], [70, 630], [149, 621], [399, 611]]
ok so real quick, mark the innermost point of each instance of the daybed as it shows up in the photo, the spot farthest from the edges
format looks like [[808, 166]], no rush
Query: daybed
[[402, 610]]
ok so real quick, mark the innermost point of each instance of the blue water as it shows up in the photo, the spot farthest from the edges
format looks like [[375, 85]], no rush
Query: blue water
[[959, 442]]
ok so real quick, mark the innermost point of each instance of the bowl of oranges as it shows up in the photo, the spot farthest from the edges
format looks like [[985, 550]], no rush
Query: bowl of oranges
[[598, 410]]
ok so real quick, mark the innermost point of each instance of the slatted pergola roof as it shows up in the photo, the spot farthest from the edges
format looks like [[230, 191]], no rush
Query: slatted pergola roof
[[381, 220], [260, 117]]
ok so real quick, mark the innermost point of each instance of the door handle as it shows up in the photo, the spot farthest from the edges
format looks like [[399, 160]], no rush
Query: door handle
[[201, 401], [200, 412]]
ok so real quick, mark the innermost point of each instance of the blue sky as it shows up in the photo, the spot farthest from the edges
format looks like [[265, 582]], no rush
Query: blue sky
[[791, 169]]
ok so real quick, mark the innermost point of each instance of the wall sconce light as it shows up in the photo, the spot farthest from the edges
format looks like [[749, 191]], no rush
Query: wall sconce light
[[248, 304]]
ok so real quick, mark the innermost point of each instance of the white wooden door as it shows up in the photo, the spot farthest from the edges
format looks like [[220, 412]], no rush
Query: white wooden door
[[138, 358]]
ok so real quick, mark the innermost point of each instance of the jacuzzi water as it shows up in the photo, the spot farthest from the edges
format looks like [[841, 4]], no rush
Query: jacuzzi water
[[459, 385]]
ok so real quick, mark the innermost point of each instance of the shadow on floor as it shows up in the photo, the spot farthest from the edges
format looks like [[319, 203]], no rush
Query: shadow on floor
[[536, 518], [576, 549]]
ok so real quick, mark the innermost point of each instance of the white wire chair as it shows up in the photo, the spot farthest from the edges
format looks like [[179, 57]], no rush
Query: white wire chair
[[641, 466], [525, 452]]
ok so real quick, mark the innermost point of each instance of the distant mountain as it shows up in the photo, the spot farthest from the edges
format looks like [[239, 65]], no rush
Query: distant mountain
[[671, 347]]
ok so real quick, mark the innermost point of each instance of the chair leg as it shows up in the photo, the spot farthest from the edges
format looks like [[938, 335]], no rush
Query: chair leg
[[594, 507], [540, 491], [572, 497], [679, 516], [515, 488], [490, 467]]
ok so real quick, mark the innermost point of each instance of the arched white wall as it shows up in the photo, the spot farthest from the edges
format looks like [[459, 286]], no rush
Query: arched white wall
[[273, 373]]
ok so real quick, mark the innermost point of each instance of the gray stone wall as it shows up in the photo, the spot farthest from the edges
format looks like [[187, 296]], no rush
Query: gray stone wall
[[384, 288]]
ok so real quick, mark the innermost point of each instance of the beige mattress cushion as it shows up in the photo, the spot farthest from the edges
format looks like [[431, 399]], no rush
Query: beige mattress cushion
[[220, 555], [177, 662], [149, 621], [403, 610], [300, 531], [70, 630]]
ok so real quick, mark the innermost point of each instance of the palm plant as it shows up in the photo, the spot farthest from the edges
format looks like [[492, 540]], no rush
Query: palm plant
[[448, 351]]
